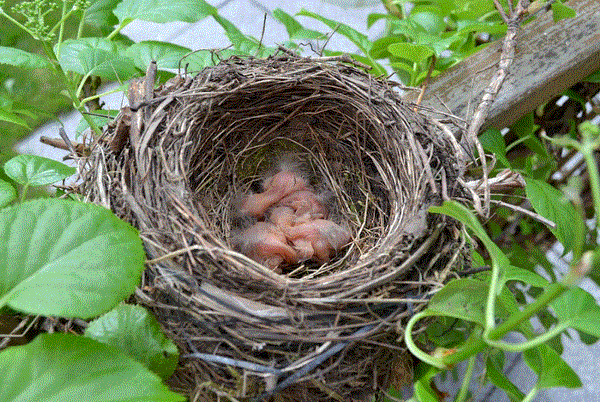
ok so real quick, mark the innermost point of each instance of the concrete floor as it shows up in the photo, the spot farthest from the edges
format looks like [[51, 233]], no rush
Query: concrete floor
[[248, 16]]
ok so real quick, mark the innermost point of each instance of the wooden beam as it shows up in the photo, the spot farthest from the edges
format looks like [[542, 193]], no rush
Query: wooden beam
[[549, 58]]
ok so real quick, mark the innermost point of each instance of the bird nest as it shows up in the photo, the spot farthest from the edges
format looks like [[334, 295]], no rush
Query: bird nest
[[174, 164]]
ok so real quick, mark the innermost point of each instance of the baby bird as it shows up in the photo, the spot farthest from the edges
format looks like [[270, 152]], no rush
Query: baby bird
[[283, 217], [306, 205], [265, 243], [318, 239], [276, 187]]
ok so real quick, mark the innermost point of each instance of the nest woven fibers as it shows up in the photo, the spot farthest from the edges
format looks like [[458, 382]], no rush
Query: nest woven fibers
[[175, 162]]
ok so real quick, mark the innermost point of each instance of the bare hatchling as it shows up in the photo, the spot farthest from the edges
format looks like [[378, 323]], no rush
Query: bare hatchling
[[287, 222]]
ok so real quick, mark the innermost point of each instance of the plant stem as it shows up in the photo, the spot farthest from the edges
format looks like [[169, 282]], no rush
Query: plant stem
[[464, 388], [80, 87], [531, 343], [497, 333], [517, 142], [414, 349], [24, 192], [117, 30], [490, 308], [588, 154], [531, 394], [81, 24], [61, 24], [91, 98], [17, 23], [513, 321]]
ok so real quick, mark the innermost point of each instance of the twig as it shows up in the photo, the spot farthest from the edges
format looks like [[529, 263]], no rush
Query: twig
[[227, 361], [6, 338], [311, 366], [320, 52], [506, 59], [262, 35], [527, 212], [343, 58], [76, 149]]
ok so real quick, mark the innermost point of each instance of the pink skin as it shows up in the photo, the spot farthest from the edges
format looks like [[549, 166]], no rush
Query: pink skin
[[266, 244], [282, 217], [276, 187], [318, 239], [306, 205]]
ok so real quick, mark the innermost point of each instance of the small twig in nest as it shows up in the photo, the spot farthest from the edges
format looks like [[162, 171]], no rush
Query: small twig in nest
[[27, 321], [76, 149], [527, 212], [506, 59], [311, 366], [473, 271], [262, 35], [344, 58], [226, 361]]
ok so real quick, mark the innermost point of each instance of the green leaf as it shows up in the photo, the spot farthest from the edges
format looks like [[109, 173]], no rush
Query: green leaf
[[579, 310], [513, 273], [137, 333], [493, 141], [403, 67], [9, 105], [64, 367], [525, 128], [33, 170], [7, 193], [11, 117], [424, 374], [66, 258], [101, 117], [499, 379], [95, 56], [166, 55], [377, 69], [507, 306], [294, 29], [373, 18], [379, 49], [492, 27], [164, 10], [552, 204], [438, 45], [404, 28], [70, 48], [20, 58], [197, 60], [594, 77], [444, 332], [576, 97], [410, 51], [359, 39], [100, 13], [464, 299], [551, 369], [243, 43], [463, 215], [430, 18], [560, 11]]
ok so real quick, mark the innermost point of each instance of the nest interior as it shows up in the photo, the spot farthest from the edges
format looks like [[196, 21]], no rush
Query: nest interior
[[173, 164]]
